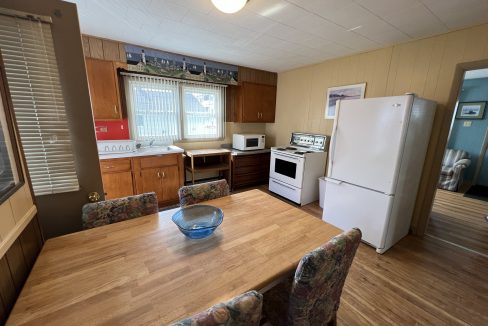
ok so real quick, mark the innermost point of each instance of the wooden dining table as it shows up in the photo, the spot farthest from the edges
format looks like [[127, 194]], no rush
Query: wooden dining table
[[144, 271]]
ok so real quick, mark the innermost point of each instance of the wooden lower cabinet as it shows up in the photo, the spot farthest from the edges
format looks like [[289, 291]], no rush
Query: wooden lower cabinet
[[161, 174], [117, 184], [117, 178], [250, 170]]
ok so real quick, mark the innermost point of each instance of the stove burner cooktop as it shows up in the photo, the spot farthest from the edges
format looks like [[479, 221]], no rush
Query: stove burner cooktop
[[291, 148], [281, 149]]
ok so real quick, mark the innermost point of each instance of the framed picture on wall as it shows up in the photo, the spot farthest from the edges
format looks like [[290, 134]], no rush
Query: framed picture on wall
[[471, 110], [348, 92]]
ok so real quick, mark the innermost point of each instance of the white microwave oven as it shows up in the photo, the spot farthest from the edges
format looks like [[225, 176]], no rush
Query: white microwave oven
[[248, 142]]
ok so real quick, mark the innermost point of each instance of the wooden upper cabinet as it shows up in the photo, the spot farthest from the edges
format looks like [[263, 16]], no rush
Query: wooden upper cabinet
[[251, 102], [105, 94]]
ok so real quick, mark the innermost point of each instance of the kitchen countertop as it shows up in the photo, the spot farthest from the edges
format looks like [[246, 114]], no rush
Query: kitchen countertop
[[146, 151], [258, 151]]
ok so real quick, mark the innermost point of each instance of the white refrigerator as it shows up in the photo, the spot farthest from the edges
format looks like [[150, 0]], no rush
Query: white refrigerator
[[376, 156]]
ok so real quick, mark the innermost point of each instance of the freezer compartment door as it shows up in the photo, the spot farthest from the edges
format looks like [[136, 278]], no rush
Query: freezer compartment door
[[367, 141], [347, 206]]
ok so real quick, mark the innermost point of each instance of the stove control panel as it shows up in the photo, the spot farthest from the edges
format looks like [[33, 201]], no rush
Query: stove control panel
[[317, 142]]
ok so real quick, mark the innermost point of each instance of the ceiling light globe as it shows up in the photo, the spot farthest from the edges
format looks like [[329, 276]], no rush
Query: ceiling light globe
[[229, 6]]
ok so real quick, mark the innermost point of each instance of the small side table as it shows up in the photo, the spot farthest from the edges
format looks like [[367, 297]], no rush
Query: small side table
[[209, 160]]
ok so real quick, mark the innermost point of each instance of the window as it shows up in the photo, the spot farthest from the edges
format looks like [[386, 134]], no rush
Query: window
[[169, 110], [9, 175], [33, 78], [202, 112]]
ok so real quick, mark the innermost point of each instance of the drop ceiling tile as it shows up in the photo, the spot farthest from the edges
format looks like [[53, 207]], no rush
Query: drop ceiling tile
[[388, 7], [168, 10], [382, 32], [202, 6], [275, 34]]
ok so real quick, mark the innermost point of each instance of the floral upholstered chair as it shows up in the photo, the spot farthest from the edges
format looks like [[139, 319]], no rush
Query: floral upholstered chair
[[194, 194], [313, 295], [120, 209], [243, 310]]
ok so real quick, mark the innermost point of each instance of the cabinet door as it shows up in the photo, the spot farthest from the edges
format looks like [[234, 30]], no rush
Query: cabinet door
[[104, 92], [116, 185], [268, 103], [171, 182], [258, 102], [251, 102], [151, 181]]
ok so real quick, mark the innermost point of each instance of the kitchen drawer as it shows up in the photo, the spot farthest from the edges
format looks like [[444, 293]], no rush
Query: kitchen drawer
[[251, 160], [243, 170], [158, 161], [118, 165], [249, 179]]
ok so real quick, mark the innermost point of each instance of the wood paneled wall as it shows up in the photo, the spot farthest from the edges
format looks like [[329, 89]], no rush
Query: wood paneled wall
[[98, 48], [16, 264], [430, 67], [257, 76]]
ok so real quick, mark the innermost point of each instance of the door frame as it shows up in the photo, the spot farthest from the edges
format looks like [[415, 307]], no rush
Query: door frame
[[425, 206]]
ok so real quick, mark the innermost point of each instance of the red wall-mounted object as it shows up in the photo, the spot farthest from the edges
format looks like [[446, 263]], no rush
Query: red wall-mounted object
[[112, 129]]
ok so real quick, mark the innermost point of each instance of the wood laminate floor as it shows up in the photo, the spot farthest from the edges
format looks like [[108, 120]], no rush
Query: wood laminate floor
[[460, 220], [420, 281]]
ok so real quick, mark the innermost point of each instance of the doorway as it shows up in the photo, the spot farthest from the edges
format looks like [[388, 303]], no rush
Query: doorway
[[460, 208]]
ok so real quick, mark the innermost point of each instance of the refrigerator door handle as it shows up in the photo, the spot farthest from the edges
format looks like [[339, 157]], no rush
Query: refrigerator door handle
[[337, 182], [334, 132]]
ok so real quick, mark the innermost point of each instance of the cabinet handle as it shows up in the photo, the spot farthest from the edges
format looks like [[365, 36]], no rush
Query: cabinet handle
[[109, 167], [159, 175], [115, 109], [164, 175]]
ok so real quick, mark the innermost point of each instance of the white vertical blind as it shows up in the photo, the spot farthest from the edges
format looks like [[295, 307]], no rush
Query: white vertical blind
[[153, 108], [203, 108], [33, 78], [168, 110]]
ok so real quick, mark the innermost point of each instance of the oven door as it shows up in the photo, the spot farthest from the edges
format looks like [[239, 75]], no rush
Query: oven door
[[287, 168]]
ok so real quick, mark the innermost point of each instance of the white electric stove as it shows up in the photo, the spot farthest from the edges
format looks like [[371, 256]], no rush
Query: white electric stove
[[295, 168]]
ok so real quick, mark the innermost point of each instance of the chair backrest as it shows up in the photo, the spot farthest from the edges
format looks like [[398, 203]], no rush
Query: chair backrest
[[194, 194], [120, 209], [243, 310], [451, 156], [319, 279]]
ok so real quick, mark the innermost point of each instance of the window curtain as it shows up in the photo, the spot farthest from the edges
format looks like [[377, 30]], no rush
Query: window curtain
[[154, 109], [203, 109], [168, 110]]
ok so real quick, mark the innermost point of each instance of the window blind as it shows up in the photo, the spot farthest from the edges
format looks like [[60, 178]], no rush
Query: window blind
[[154, 109], [33, 78], [167, 110], [203, 109]]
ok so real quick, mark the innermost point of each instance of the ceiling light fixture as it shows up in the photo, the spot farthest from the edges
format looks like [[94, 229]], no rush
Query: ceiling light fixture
[[229, 6]]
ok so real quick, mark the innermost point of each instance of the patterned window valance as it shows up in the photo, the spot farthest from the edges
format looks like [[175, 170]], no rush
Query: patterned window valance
[[179, 66]]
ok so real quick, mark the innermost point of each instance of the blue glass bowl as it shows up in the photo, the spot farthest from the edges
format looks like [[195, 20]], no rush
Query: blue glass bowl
[[198, 221]]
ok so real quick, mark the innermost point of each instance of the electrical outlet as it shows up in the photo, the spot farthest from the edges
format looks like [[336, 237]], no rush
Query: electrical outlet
[[467, 124]]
